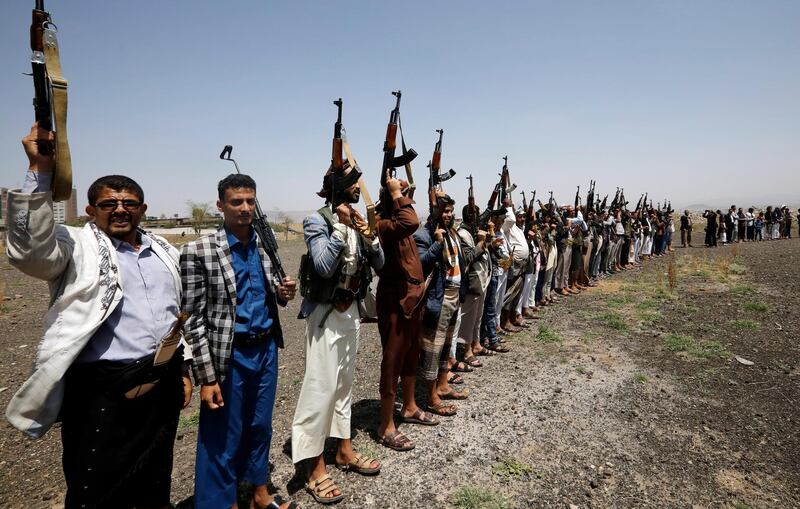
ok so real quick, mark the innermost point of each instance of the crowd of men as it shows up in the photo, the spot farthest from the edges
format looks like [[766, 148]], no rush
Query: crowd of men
[[106, 369], [738, 225]]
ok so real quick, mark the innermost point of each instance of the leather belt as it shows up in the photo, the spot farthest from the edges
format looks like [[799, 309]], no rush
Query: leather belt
[[247, 339]]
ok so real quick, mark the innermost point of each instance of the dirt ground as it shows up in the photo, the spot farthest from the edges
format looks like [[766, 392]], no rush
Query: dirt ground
[[628, 395]]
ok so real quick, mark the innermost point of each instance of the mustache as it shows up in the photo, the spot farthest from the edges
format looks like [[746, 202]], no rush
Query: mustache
[[125, 217]]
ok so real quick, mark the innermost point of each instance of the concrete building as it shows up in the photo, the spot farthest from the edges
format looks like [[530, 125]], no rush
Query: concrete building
[[66, 211], [3, 203]]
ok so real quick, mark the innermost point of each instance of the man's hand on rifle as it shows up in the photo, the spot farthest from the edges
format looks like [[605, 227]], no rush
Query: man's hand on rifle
[[37, 161], [343, 213], [287, 289], [396, 187], [438, 235], [481, 235]]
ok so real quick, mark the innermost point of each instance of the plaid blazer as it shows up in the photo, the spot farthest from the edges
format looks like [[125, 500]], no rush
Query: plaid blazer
[[209, 294]]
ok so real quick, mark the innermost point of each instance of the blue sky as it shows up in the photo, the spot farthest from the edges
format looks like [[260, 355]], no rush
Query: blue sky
[[649, 95]]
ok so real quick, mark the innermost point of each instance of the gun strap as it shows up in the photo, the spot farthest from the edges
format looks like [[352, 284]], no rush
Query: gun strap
[[409, 176], [372, 221], [62, 176]]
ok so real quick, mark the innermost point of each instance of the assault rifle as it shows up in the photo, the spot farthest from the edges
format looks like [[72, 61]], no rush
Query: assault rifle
[[471, 196], [435, 179], [366, 228], [50, 101], [260, 224], [639, 204], [390, 162], [337, 160], [506, 187], [577, 200], [590, 197]]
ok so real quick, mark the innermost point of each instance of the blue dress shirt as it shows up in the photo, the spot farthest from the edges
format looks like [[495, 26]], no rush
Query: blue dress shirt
[[252, 315], [146, 312]]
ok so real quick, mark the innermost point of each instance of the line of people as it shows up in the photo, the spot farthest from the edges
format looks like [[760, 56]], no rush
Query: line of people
[[738, 225], [115, 290]]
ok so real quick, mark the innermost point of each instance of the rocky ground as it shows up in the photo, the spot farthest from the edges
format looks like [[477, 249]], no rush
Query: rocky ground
[[637, 393]]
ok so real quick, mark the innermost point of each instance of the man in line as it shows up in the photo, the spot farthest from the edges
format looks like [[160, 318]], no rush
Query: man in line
[[513, 230], [440, 254], [399, 306], [232, 294], [479, 270], [336, 275], [686, 229], [96, 369]]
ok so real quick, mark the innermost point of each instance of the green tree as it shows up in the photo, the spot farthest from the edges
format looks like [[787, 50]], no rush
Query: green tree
[[200, 212]]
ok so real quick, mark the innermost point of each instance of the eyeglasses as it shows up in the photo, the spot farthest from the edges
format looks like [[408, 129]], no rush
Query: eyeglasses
[[109, 205]]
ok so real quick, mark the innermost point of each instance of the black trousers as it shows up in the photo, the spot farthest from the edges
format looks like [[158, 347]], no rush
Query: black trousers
[[118, 452], [711, 236]]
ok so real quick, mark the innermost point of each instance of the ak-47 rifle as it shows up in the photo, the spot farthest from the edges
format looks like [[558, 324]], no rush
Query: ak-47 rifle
[[434, 187], [577, 200], [390, 162], [471, 196], [435, 179], [615, 201], [590, 197], [644, 202], [50, 101], [622, 201], [506, 187], [639, 204], [260, 224], [368, 227], [603, 204], [525, 203]]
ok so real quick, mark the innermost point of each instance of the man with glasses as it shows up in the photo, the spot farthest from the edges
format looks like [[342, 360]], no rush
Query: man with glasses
[[101, 368]]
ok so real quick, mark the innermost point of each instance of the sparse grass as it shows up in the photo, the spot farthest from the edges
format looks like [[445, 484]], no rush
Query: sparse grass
[[641, 378], [737, 269], [741, 505], [508, 469], [758, 307], [745, 324], [189, 421], [699, 348], [474, 497], [581, 370], [613, 320], [742, 290], [620, 300], [672, 276], [589, 336], [547, 335], [647, 305], [650, 316]]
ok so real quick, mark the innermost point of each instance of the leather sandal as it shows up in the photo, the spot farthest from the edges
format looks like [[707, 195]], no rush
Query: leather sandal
[[321, 488], [397, 441], [360, 465]]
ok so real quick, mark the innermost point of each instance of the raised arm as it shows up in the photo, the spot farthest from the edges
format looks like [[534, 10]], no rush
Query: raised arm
[[36, 245]]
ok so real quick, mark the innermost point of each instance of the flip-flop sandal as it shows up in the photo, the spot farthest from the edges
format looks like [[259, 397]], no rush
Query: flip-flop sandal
[[461, 367], [442, 409], [498, 348], [320, 488], [455, 379], [397, 441], [453, 394], [473, 361], [421, 417], [360, 465], [485, 352]]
